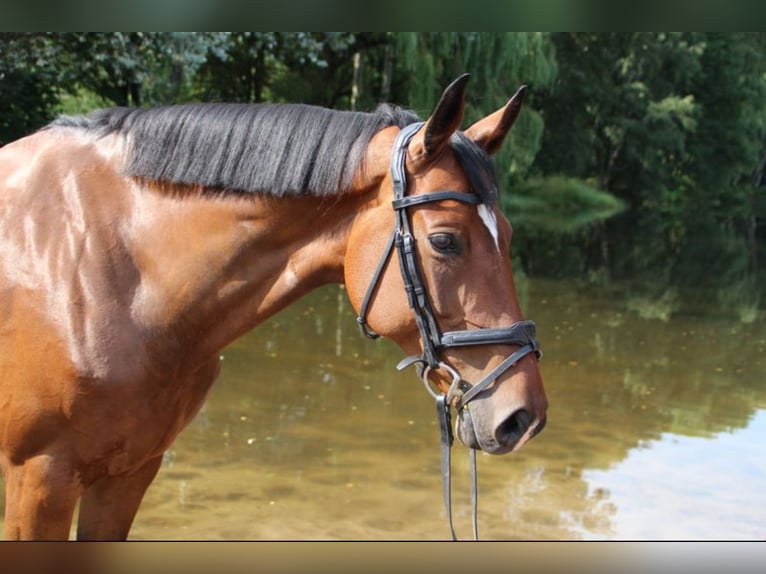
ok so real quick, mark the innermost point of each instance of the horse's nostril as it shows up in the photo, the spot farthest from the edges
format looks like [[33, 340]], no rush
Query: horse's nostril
[[513, 428]]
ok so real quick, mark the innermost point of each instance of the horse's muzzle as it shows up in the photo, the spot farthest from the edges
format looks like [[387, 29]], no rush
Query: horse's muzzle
[[509, 434]]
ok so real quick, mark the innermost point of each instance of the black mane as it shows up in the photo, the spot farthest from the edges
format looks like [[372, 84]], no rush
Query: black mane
[[279, 149]]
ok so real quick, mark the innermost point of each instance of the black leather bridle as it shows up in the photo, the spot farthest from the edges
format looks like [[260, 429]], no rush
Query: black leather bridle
[[433, 341]]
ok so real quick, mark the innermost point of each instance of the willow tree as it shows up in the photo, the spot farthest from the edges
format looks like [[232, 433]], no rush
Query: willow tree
[[499, 63]]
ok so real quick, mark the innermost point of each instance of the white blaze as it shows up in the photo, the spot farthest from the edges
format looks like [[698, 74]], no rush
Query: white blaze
[[490, 221]]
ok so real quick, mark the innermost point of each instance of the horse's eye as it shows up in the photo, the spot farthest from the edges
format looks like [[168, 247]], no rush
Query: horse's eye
[[445, 243]]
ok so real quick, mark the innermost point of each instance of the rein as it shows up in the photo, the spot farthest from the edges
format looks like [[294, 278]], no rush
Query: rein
[[433, 341]]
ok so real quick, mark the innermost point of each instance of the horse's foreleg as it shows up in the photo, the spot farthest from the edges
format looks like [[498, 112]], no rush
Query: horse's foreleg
[[40, 496], [108, 506]]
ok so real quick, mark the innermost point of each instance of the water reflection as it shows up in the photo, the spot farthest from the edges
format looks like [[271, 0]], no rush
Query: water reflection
[[311, 434], [654, 430], [682, 487]]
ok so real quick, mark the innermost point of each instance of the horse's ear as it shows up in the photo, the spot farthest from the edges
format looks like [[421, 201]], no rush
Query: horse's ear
[[446, 118], [490, 132]]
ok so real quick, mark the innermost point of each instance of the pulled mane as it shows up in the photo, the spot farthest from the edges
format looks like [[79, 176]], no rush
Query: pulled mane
[[276, 149], [279, 149]]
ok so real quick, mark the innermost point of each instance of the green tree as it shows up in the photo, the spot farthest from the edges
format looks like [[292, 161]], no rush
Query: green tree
[[137, 68], [499, 63], [672, 124], [42, 74], [312, 68], [29, 80]]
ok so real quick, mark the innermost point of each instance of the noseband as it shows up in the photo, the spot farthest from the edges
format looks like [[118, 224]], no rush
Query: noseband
[[460, 393]]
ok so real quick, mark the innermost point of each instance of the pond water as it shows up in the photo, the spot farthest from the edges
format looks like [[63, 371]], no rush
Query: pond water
[[655, 431]]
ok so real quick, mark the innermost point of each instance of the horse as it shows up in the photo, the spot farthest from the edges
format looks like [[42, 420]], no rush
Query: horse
[[135, 244]]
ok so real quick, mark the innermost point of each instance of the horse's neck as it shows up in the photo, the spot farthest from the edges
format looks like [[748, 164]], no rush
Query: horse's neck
[[213, 268]]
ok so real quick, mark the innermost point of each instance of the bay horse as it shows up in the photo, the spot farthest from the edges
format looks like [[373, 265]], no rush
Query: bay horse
[[135, 244]]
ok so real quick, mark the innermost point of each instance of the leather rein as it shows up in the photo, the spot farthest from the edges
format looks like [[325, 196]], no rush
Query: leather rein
[[433, 341]]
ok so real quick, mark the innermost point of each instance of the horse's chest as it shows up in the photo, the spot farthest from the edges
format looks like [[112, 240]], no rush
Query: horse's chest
[[138, 419], [120, 393]]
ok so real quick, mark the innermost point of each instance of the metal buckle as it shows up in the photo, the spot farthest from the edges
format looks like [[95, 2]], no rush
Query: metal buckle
[[453, 392]]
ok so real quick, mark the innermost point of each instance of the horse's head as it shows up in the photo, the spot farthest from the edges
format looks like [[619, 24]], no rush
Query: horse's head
[[461, 316]]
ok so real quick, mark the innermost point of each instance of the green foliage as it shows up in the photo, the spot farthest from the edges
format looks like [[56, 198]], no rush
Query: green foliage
[[28, 79], [79, 101], [137, 68], [310, 67], [558, 205], [673, 125], [499, 63]]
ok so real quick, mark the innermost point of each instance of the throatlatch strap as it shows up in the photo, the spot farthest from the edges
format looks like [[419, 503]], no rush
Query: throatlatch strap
[[365, 308]]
